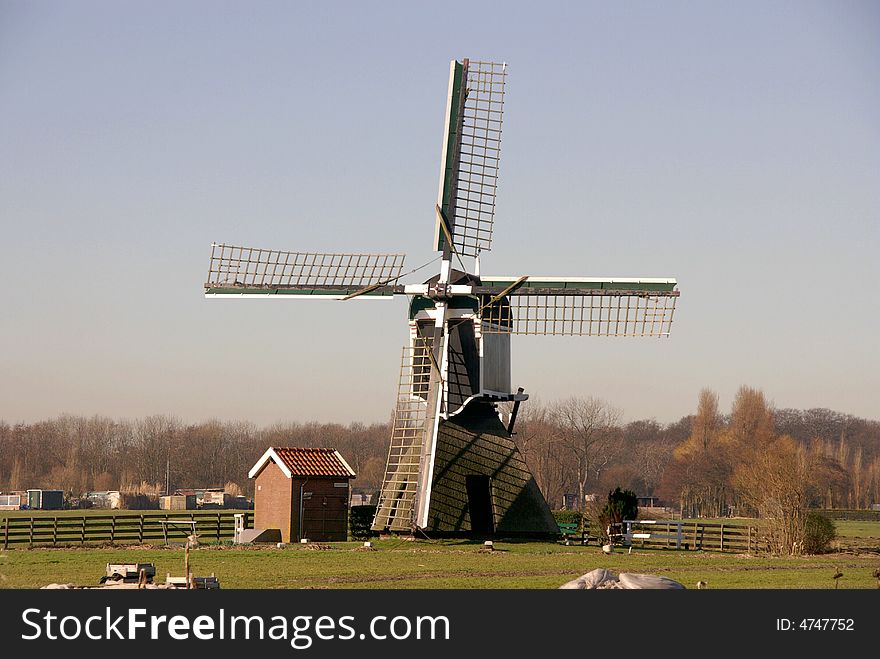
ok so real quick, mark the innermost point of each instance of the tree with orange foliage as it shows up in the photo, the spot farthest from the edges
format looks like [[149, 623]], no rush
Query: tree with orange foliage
[[700, 469]]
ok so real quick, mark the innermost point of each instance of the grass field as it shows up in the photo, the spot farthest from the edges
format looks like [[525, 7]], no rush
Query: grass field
[[851, 529], [450, 564], [437, 564]]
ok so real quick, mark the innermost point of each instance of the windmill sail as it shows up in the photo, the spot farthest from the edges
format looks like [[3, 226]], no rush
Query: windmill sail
[[396, 507], [471, 154], [578, 306], [245, 271]]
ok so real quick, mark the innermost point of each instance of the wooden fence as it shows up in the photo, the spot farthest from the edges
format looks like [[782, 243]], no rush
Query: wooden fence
[[149, 528], [692, 535]]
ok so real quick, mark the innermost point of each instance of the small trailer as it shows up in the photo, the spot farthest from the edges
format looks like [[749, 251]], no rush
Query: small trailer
[[195, 583], [129, 573]]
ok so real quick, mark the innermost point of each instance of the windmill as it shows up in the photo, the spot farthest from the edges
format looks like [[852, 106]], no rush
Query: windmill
[[452, 465]]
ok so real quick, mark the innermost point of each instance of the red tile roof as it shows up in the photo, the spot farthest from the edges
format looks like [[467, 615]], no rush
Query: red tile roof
[[313, 461]]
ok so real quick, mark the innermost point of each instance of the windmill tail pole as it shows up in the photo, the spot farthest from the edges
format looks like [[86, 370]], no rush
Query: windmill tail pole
[[514, 412]]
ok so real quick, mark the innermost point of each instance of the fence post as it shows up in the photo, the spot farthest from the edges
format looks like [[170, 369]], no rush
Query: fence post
[[31, 539], [722, 536], [82, 531], [141, 531], [6, 534], [218, 528], [54, 531], [112, 528], [749, 543]]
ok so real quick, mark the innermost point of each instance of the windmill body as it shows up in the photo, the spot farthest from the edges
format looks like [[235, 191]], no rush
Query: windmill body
[[452, 465]]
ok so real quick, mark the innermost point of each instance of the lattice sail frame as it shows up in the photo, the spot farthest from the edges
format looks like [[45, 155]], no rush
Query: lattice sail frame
[[479, 157], [582, 314], [577, 306], [395, 509], [252, 267], [469, 178]]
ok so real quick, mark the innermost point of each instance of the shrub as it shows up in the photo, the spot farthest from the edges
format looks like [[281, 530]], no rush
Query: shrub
[[621, 505], [360, 519], [819, 532]]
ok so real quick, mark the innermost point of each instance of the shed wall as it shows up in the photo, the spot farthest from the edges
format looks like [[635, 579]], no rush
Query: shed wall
[[272, 500]]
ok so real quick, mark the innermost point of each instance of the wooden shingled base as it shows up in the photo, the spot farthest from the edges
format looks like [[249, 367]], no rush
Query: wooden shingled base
[[478, 466]]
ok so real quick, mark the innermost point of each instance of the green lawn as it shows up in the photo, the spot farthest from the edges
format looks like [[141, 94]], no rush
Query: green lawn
[[854, 529], [437, 564]]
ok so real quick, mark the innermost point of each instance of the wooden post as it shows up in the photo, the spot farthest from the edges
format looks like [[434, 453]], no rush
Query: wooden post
[[6, 534], [164, 523], [722, 536], [82, 532], [141, 530], [218, 528], [695, 536], [749, 545], [54, 531], [186, 565], [112, 528], [31, 539]]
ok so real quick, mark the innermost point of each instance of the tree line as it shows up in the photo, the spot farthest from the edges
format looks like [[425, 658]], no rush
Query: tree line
[[82, 454], [705, 464]]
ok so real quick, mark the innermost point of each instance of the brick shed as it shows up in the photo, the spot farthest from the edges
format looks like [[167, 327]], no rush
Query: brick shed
[[303, 492]]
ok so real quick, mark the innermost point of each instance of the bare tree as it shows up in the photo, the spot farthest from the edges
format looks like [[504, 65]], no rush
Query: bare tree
[[537, 439], [154, 441], [776, 483], [646, 453], [588, 429]]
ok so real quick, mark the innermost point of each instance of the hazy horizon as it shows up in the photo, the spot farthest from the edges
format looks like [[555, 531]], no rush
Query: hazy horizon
[[625, 418], [734, 147]]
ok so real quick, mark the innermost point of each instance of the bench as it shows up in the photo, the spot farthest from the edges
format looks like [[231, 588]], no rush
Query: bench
[[569, 531]]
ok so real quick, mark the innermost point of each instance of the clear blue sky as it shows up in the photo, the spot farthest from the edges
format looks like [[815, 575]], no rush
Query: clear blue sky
[[735, 146]]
